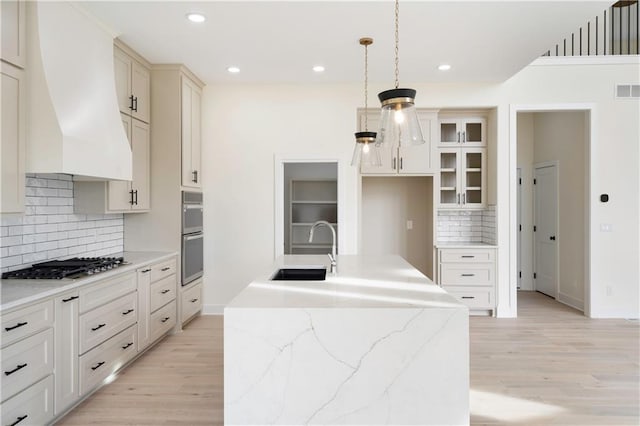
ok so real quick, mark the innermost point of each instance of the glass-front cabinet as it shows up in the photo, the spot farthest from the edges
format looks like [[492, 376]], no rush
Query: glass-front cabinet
[[462, 132], [462, 178]]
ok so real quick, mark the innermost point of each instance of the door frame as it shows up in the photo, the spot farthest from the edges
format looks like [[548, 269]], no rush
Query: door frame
[[279, 187], [536, 166], [508, 307], [519, 219]]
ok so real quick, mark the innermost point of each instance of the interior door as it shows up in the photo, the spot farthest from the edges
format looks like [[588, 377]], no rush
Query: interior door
[[545, 231], [519, 214]]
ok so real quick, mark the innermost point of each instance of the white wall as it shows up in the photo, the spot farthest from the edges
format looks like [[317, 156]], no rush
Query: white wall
[[246, 125], [525, 163], [560, 136]]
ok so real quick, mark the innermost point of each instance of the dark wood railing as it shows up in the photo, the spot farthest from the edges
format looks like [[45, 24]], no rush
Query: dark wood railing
[[615, 32]]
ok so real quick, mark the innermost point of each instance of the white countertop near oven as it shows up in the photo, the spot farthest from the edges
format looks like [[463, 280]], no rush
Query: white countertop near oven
[[464, 245], [15, 292]]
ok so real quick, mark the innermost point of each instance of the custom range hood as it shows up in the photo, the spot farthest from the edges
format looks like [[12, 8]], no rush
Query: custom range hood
[[74, 123]]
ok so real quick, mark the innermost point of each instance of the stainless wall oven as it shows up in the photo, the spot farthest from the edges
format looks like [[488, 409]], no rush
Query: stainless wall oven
[[192, 236]]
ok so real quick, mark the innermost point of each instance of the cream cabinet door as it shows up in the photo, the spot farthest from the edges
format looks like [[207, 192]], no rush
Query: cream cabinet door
[[66, 350], [119, 193], [13, 31], [140, 141], [13, 136], [418, 159], [122, 64], [191, 137], [140, 90]]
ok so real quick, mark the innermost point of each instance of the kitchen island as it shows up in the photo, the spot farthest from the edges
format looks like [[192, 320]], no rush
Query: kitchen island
[[375, 343]]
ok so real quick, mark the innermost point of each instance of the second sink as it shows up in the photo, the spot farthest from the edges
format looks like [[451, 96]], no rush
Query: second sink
[[300, 274]]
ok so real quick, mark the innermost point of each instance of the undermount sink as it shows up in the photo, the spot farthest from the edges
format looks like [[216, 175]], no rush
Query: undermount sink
[[300, 274]]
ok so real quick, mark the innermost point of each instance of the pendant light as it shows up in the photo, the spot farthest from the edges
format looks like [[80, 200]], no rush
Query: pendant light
[[399, 123], [366, 151]]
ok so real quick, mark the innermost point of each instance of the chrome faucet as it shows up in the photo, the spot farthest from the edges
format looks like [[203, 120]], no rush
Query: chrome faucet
[[332, 255]]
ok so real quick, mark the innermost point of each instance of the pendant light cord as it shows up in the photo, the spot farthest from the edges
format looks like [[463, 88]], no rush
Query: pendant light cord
[[366, 82], [397, 43]]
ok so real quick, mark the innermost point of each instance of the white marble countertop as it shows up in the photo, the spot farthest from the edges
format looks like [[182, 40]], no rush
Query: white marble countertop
[[15, 292], [360, 282], [464, 245]]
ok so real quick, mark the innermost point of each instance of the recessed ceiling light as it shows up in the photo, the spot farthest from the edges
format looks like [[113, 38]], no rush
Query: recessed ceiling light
[[318, 68], [444, 67], [196, 17], [233, 70]]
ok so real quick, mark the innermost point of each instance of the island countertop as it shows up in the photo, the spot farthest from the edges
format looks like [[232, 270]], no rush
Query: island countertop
[[360, 282]]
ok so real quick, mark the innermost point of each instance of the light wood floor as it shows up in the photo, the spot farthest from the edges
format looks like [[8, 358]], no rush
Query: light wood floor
[[551, 365]]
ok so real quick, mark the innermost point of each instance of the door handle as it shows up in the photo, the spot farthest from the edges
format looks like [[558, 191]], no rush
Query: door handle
[[394, 163], [135, 104], [195, 176], [401, 163], [135, 201], [131, 103], [18, 325], [552, 238], [131, 197], [458, 137], [464, 136], [70, 299], [165, 291]]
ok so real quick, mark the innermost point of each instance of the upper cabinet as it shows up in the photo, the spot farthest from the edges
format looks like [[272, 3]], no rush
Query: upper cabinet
[[191, 98], [13, 139], [133, 83], [13, 32], [415, 159], [463, 132], [463, 178]]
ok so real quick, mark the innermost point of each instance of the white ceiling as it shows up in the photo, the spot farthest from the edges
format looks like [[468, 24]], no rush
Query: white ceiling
[[280, 41]]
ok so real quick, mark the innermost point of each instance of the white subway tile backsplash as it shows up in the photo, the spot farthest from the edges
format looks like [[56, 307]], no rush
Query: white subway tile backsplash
[[466, 226], [49, 229]]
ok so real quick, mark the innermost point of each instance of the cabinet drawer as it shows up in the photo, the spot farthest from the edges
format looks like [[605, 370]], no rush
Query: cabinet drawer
[[104, 360], [26, 362], [162, 320], [162, 292], [482, 274], [100, 324], [473, 298], [467, 255], [107, 291], [191, 301], [25, 321], [164, 269], [33, 405]]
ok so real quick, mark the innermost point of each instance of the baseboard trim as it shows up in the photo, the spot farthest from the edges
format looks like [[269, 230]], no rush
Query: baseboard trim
[[213, 310], [571, 301]]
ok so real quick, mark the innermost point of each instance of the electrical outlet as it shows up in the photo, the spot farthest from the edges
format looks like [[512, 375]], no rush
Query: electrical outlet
[[409, 224], [606, 227], [609, 290]]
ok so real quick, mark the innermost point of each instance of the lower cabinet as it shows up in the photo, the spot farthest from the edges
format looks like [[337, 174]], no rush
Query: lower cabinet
[[191, 301], [32, 406], [469, 274], [66, 350]]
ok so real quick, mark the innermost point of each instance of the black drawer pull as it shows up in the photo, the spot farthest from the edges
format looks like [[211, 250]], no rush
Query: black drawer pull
[[467, 256], [127, 312], [165, 291], [98, 365], [468, 275], [98, 327], [468, 297], [19, 419], [165, 319], [166, 268], [127, 345], [194, 300], [70, 299], [19, 367], [144, 271], [20, 324]]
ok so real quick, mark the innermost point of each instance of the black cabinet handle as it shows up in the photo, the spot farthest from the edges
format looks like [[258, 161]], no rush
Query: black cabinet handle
[[166, 268], [100, 364], [70, 299], [19, 367], [144, 271], [401, 163], [468, 297], [98, 327], [127, 345], [131, 103], [127, 312], [135, 201], [18, 325], [165, 291], [552, 238], [195, 176], [468, 275], [135, 104], [194, 300], [165, 319], [19, 419], [467, 256], [131, 197]]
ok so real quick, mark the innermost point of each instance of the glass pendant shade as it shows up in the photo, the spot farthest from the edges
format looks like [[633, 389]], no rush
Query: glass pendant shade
[[399, 125], [366, 152]]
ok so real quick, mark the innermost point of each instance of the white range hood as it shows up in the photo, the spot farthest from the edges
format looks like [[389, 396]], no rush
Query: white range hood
[[74, 123]]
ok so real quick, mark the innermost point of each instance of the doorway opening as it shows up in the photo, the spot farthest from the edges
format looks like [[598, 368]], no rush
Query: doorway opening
[[553, 204]]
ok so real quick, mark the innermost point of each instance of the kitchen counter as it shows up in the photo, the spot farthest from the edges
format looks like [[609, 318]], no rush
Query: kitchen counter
[[375, 343], [15, 292], [464, 245]]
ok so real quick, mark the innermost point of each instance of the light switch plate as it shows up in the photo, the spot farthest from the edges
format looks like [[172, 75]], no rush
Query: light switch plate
[[409, 224]]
